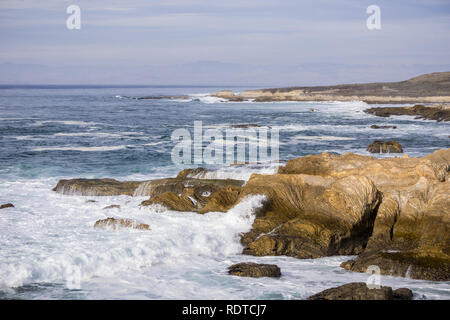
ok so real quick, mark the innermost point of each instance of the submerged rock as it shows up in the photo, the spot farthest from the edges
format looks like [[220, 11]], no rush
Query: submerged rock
[[119, 223], [360, 291], [6, 205], [380, 146], [254, 270]]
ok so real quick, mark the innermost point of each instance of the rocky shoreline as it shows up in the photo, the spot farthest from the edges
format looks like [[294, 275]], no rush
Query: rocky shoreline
[[427, 88], [392, 212]]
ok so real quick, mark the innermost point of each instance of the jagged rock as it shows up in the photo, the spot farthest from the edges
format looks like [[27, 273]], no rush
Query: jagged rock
[[390, 146], [113, 206], [6, 205], [360, 291], [96, 187], [374, 126], [118, 223], [254, 270], [438, 112]]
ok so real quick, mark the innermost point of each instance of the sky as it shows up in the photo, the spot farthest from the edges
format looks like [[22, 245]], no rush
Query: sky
[[221, 42]]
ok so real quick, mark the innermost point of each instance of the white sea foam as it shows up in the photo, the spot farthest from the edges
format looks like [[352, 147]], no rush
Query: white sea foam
[[84, 149], [238, 172]]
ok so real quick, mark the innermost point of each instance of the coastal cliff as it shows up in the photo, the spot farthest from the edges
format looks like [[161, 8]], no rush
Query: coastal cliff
[[428, 88]]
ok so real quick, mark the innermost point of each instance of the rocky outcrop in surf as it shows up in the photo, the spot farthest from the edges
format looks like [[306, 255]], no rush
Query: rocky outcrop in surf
[[427, 88], [120, 223], [360, 291], [392, 212], [437, 112], [6, 205], [381, 146], [96, 187], [410, 235]]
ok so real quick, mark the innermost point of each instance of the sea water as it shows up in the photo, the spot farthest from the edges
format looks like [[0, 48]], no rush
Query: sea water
[[49, 248]]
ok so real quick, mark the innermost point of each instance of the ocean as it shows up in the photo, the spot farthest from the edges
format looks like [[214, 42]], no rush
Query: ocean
[[49, 248]]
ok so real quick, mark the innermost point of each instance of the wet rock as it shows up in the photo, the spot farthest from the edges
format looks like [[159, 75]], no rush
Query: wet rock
[[6, 205], [245, 126], [113, 206], [119, 223], [374, 126], [380, 146], [96, 187], [254, 270], [360, 291]]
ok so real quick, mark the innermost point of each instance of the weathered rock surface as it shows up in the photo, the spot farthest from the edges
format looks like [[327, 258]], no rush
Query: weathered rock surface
[[438, 112], [410, 235], [96, 187], [119, 223], [254, 270], [113, 206], [360, 291], [6, 205], [380, 146], [199, 195]]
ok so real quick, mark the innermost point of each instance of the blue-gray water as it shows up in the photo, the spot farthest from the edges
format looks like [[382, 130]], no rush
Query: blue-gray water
[[47, 240]]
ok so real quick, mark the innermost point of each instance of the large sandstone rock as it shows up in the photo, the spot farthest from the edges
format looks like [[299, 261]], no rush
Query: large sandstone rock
[[360, 291], [254, 270], [119, 223]]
